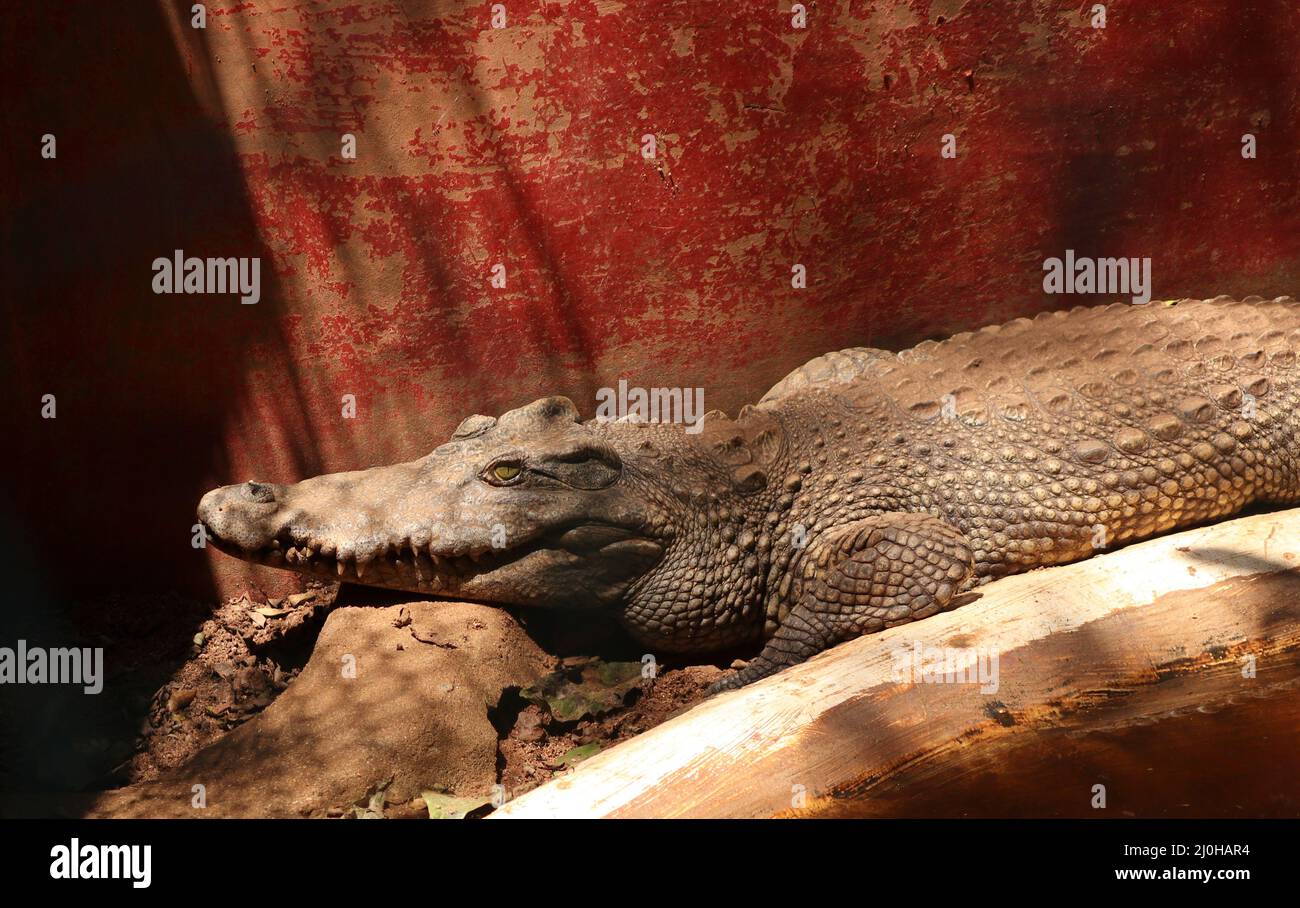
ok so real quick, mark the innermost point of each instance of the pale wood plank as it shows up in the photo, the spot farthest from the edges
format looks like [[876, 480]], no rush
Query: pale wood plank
[[1071, 641]]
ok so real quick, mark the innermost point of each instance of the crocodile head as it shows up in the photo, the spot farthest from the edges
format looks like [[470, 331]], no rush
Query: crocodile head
[[535, 508]]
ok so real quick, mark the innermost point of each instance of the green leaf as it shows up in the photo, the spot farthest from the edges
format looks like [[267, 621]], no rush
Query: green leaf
[[602, 686], [577, 754], [374, 809], [449, 807]]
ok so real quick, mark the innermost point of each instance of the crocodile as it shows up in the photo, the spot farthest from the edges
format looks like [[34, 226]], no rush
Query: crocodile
[[866, 489]]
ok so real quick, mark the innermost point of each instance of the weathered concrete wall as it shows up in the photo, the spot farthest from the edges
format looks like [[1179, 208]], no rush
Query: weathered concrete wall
[[523, 146]]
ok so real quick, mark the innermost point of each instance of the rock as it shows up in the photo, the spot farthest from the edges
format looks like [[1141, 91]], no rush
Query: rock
[[529, 726], [179, 700]]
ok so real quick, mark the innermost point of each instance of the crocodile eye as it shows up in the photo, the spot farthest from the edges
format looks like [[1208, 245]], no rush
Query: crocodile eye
[[505, 472]]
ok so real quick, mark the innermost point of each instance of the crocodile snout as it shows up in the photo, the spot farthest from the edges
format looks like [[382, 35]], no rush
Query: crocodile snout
[[241, 514]]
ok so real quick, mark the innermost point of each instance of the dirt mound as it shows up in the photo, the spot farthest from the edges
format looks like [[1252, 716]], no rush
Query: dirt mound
[[394, 702]]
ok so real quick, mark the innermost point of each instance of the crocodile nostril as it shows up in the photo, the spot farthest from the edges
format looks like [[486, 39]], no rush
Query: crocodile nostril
[[259, 492]]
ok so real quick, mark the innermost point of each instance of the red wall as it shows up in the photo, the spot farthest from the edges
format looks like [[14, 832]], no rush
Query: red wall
[[523, 146]]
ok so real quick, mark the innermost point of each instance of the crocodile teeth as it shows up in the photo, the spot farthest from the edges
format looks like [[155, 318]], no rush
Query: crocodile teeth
[[423, 566], [339, 566], [361, 566]]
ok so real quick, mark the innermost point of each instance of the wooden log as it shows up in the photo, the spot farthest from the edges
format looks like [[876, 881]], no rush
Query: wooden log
[[1159, 679]]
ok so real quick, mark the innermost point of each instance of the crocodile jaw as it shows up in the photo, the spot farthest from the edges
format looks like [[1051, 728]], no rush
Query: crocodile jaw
[[580, 564]]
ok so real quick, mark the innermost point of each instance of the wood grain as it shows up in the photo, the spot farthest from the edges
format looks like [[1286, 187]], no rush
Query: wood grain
[[1128, 670]]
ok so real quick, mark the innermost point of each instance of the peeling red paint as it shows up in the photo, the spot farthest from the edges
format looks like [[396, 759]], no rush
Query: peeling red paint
[[522, 146]]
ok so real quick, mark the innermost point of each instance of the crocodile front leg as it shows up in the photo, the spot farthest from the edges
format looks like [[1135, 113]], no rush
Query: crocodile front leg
[[861, 578]]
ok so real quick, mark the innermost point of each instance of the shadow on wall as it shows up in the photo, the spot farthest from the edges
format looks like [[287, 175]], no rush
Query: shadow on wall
[[98, 502], [144, 384], [435, 299], [1181, 163]]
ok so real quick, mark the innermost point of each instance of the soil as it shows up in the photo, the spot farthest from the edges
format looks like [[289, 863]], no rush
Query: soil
[[167, 691], [392, 706], [241, 659], [248, 653], [534, 749]]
